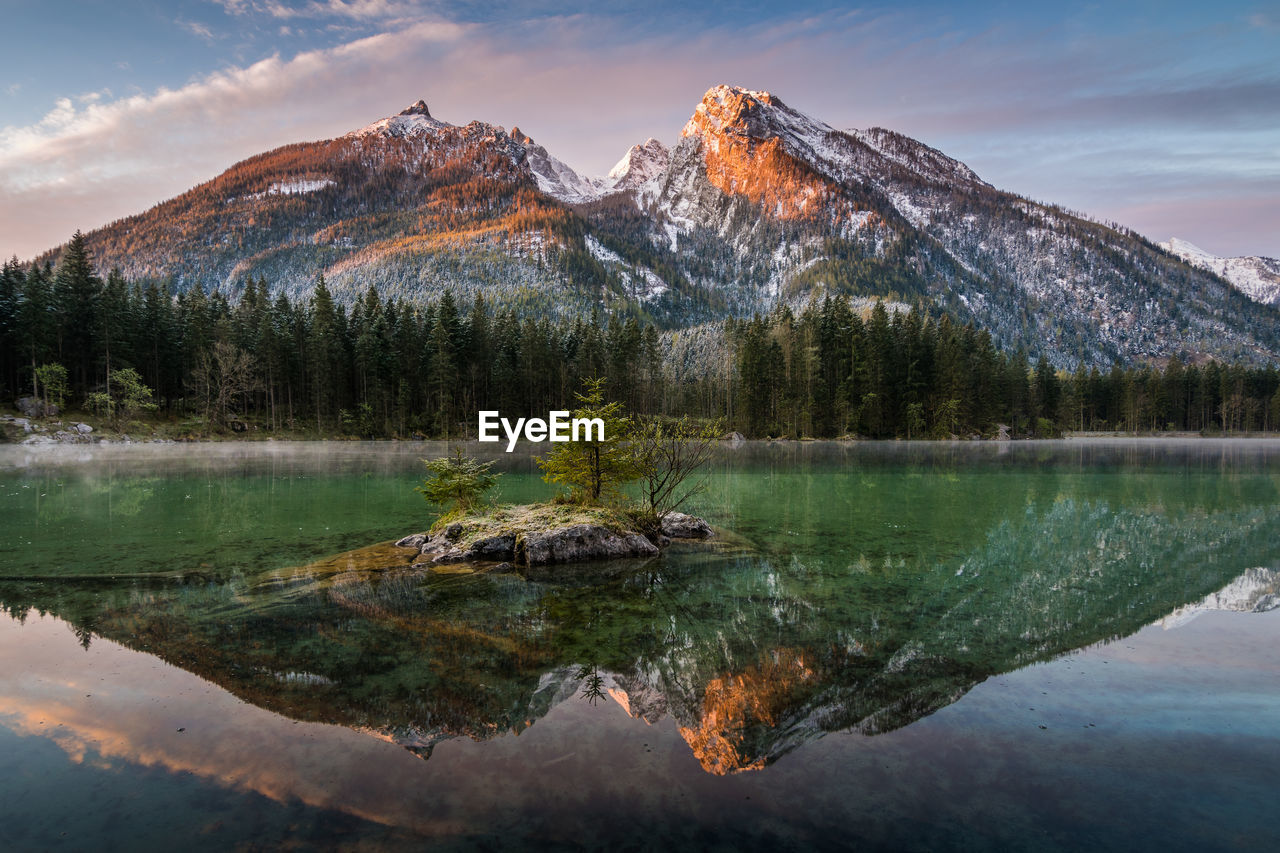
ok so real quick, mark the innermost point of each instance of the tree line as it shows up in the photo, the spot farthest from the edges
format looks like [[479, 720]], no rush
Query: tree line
[[829, 371], [392, 367]]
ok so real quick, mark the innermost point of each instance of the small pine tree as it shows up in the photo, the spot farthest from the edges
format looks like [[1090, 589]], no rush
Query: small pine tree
[[457, 483], [594, 471]]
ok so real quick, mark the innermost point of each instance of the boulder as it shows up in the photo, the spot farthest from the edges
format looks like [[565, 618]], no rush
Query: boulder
[[581, 542], [679, 525], [415, 540], [33, 408], [1003, 432], [83, 429], [499, 548]]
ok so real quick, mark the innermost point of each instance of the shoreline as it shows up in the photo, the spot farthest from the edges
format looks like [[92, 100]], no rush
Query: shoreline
[[45, 434], [354, 456]]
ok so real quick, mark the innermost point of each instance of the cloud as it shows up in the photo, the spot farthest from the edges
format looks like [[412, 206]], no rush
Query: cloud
[[232, 7], [196, 29], [1264, 21], [90, 160], [360, 10], [1040, 116], [74, 143]]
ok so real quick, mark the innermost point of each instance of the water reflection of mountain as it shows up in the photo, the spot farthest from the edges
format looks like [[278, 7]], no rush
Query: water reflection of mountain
[[750, 655]]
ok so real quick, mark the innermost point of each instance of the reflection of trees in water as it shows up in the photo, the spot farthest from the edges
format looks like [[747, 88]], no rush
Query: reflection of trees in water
[[751, 655]]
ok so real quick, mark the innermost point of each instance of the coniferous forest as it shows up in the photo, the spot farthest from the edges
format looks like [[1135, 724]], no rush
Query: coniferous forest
[[390, 368]]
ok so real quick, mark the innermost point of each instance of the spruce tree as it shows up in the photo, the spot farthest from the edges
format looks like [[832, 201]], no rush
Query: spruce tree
[[76, 293], [595, 470], [323, 352]]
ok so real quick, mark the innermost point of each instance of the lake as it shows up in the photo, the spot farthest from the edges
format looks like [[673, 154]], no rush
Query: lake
[[902, 646]]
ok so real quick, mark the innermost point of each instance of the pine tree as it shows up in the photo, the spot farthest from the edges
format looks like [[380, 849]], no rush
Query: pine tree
[[11, 282], [444, 345], [37, 327], [324, 355], [76, 293], [596, 470]]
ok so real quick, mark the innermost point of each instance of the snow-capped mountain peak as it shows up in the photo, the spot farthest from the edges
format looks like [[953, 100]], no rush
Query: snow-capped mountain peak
[[911, 154], [641, 165], [414, 120], [419, 108], [555, 177], [1254, 276], [729, 111], [1187, 250]]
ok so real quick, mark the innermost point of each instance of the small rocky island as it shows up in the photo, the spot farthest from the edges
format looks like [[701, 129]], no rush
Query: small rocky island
[[595, 519], [541, 534]]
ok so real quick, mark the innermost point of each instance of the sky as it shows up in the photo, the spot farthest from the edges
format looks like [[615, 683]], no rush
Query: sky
[[1162, 117]]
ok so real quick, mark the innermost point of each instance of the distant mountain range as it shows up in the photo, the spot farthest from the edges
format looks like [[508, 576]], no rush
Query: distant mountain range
[[756, 205], [1256, 277]]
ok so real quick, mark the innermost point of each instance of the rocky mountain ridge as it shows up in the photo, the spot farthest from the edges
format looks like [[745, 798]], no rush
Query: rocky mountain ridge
[[757, 205]]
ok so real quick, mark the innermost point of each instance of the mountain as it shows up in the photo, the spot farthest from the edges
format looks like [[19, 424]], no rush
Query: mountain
[[1255, 277], [640, 167], [757, 204]]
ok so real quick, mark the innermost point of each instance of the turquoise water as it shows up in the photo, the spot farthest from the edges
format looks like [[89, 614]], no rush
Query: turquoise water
[[898, 646]]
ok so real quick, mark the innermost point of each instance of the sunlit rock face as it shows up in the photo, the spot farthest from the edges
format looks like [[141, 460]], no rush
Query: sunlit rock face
[[744, 153], [736, 705]]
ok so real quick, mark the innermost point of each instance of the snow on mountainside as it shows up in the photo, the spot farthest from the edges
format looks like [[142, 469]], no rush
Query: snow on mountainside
[[553, 177], [412, 121], [639, 167], [1255, 277], [766, 204], [1255, 591], [756, 205]]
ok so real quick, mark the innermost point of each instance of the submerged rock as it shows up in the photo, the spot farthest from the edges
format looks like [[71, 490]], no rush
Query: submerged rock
[[679, 525]]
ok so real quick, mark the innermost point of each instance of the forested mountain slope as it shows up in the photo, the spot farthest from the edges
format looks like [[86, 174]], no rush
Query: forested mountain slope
[[756, 205]]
